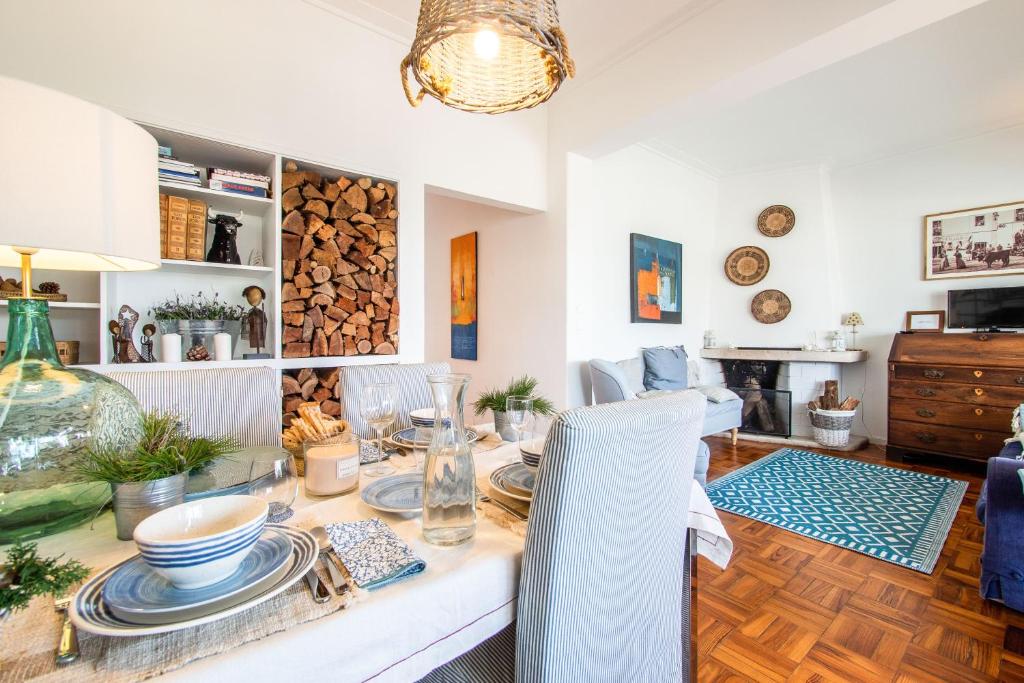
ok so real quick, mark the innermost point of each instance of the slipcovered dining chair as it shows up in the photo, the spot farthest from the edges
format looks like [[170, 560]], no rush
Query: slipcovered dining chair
[[241, 403], [413, 391], [605, 588]]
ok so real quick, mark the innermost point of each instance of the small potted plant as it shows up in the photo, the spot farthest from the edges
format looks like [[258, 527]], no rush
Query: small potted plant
[[197, 319], [151, 475], [494, 400], [24, 575]]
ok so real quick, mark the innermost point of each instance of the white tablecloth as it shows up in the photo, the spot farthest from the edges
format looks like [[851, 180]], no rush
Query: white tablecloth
[[398, 633]]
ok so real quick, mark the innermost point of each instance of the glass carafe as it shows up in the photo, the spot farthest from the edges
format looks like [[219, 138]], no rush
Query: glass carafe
[[449, 477]]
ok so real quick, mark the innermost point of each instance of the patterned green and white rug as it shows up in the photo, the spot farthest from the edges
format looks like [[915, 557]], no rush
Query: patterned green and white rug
[[895, 515]]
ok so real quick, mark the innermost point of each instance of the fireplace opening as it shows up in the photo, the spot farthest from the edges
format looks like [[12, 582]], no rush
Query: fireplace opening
[[766, 410]]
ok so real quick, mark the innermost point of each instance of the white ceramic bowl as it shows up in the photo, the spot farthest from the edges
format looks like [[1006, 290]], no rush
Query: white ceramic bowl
[[201, 542], [422, 417]]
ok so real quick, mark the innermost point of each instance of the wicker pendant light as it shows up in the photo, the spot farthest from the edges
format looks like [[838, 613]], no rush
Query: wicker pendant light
[[488, 56]]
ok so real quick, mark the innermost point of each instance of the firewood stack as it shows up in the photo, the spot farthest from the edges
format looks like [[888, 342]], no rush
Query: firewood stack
[[830, 399], [339, 247], [307, 385]]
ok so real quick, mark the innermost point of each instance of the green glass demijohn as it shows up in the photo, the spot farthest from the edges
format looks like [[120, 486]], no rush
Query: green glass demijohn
[[48, 415]]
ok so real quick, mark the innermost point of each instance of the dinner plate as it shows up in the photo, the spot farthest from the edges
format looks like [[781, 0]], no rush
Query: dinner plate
[[406, 438], [398, 493], [137, 594], [89, 613], [515, 480], [423, 417]]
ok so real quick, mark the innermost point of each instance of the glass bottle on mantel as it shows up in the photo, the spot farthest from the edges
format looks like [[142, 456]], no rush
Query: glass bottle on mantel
[[449, 476]]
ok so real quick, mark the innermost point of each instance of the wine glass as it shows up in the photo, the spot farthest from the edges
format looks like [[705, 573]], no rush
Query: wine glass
[[517, 411], [274, 478], [378, 405]]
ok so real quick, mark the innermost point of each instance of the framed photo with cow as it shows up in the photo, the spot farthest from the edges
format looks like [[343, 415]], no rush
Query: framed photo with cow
[[987, 240]]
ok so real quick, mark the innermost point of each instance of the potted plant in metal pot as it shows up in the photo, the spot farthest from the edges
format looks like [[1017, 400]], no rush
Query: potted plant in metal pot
[[197, 319], [494, 400], [151, 475]]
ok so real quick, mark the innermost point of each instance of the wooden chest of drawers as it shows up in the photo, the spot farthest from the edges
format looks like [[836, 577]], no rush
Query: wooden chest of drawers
[[953, 394]]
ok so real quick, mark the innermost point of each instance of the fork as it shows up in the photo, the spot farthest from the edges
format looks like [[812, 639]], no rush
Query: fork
[[482, 498], [67, 651]]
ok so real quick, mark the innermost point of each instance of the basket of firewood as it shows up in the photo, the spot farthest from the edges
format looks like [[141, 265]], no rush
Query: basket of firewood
[[832, 419]]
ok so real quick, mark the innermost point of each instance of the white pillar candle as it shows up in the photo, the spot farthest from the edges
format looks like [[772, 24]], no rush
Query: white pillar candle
[[222, 346], [170, 348], [332, 465]]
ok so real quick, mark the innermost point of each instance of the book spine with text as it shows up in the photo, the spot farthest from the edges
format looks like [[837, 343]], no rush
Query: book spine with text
[[163, 225], [196, 240], [177, 227], [237, 188]]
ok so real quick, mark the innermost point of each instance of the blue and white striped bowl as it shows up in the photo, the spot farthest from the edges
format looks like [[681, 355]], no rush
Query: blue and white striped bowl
[[423, 417], [201, 542]]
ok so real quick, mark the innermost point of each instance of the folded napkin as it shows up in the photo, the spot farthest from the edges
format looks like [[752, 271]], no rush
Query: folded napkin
[[373, 554], [488, 440]]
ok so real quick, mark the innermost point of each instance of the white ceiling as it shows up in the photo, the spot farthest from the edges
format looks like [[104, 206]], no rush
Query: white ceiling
[[959, 77], [600, 32]]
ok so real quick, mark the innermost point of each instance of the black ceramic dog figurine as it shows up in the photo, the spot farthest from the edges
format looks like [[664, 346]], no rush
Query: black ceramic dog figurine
[[224, 249]]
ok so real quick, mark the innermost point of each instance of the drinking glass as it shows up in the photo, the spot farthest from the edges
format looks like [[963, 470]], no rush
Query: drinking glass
[[378, 405], [274, 478], [517, 411]]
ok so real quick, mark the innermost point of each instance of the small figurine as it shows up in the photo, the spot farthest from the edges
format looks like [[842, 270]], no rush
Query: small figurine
[[256, 257], [224, 249], [115, 340], [256, 321], [148, 330], [126, 351]]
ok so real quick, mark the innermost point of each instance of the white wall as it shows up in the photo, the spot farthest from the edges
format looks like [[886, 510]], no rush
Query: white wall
[[633, 190], [879, 210], [297, 79], [516, 315]]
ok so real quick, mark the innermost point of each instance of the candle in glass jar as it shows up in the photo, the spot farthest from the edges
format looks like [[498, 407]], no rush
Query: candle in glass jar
[[332, 465]]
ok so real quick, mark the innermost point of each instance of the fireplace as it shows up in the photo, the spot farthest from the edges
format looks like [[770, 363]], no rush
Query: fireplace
[[766, 410]]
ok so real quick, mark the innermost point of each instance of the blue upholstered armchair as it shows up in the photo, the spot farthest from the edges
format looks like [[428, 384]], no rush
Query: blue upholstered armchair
[[1001, 510]]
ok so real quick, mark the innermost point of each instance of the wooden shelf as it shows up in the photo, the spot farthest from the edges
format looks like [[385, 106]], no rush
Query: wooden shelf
[[82, 305], [106, 368], [216, 199], [180, 266], [335, 361]]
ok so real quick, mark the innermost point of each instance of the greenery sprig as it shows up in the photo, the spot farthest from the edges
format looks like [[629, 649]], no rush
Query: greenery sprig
[[25, 575], [198, 307], [494, 399], [165, 448]]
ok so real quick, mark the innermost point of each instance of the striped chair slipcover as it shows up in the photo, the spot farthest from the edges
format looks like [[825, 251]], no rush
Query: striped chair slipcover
[[243, 403], [413, 392], [604, 594]]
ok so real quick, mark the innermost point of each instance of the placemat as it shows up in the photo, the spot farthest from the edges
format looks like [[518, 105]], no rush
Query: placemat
[[28, 641]]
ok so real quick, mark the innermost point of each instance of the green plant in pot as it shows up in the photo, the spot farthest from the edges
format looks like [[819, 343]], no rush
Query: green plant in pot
[[494, 400], [151, 475], [197, 319]]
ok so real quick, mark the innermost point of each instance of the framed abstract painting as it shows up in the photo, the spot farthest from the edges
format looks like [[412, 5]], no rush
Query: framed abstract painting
[[463, 283], [656, 280]]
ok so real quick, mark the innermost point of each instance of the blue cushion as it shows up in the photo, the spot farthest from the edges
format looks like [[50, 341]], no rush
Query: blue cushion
[[665, 368]]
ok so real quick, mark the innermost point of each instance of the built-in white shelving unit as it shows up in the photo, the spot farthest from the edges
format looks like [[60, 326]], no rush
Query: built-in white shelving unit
[[96, 298]]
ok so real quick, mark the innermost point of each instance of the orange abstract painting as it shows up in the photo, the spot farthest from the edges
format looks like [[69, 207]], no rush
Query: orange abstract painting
[[463, 296]]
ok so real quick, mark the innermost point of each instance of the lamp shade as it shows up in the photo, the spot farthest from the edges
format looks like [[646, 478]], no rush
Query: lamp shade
[[853, 319], [77, 182]]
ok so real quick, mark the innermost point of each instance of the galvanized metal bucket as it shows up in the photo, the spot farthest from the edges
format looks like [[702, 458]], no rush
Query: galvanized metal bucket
[[134, 501]]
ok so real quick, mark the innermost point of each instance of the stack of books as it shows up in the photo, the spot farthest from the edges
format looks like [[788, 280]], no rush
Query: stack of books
[[182, 228], [177, 171], [239, 182]]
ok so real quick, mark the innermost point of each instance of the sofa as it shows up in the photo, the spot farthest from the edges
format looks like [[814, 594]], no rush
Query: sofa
[[624, 381], [1001, 509]]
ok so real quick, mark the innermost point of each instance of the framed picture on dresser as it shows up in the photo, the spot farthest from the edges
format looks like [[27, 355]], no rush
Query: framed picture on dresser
[[978, 242], [926, 321]]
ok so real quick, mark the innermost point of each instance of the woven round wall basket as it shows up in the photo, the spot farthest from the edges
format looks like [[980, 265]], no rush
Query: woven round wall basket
[[777, 220], [747, 265], [770, 306]]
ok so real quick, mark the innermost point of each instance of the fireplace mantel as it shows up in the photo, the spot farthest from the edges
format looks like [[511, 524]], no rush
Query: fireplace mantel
[[785, 355]]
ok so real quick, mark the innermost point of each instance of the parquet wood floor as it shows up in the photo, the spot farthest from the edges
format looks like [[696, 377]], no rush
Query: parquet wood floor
[[789, 608]]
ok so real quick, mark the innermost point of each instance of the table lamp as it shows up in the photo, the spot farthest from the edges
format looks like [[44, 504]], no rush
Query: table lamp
[[853, 320], [78, 187]]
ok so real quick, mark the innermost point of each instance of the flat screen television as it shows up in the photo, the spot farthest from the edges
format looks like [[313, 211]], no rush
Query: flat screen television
[[995, 308]]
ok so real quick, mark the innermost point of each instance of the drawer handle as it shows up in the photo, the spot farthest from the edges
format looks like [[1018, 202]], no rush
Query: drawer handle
[[978, 437], [982, 337], [1020, 379], [924, 392], [979, 392], [979, 411], [926, 437], [978, 373], [934, 374], [924, 412]]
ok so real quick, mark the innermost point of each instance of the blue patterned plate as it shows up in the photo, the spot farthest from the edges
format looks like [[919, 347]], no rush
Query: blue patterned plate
[[90, 613], [515, 481], [400, 493], [406, 438], [137, 594]]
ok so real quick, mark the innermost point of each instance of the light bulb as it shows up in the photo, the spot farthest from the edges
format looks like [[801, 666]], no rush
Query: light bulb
[[486, 44]]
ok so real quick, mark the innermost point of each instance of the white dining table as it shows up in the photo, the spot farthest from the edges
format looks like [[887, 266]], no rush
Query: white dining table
[[397, 633]]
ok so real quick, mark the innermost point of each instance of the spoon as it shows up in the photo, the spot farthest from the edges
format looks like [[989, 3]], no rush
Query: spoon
[[320, 534]]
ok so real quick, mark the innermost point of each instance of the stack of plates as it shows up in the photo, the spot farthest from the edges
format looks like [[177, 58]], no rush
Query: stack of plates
[[515, 481], [407, 438], [424, 417], [130, 599]]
